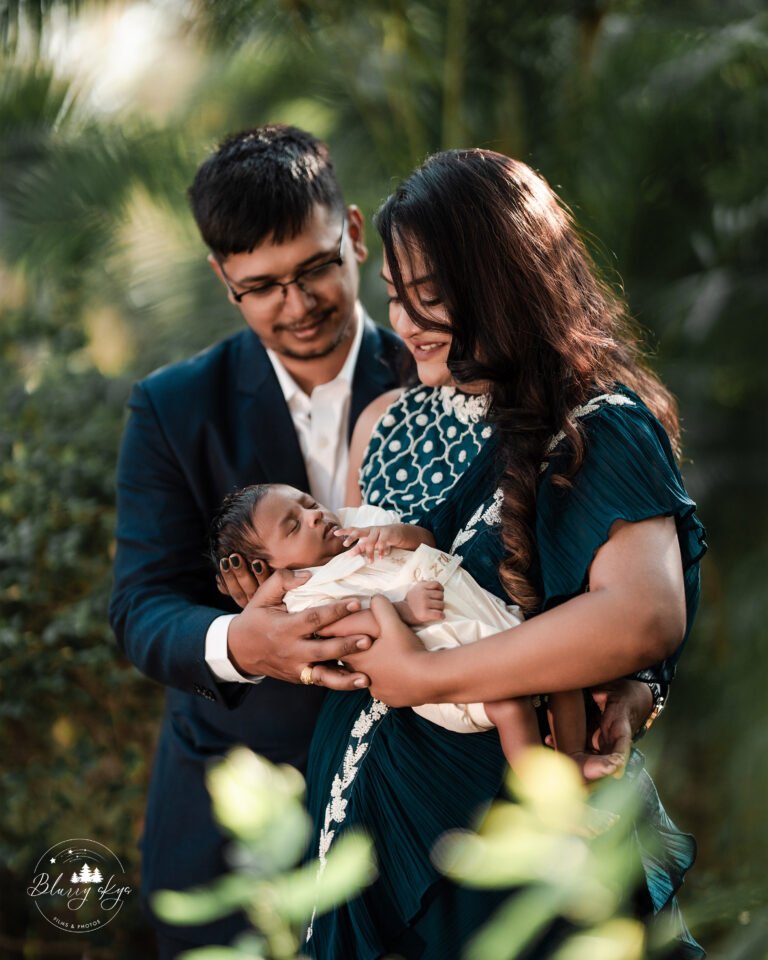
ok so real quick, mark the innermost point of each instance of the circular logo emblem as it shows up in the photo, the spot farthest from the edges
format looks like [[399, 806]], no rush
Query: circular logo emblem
[[79, 886]]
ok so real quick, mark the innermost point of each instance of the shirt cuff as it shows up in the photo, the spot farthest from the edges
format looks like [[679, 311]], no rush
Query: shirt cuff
[[217, 655]]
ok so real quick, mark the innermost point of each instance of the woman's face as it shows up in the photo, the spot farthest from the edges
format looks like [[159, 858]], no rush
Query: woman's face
[[428, 347]]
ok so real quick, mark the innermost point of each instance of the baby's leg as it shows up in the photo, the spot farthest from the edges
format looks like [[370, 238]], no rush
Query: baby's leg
[[517, 725], [568, 721]]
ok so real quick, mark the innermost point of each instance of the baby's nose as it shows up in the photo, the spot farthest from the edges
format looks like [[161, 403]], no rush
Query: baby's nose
[[315, 517]]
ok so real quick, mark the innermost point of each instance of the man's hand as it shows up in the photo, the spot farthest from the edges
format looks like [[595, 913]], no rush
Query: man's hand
[[241, 580], [265, 640], [624, 707]]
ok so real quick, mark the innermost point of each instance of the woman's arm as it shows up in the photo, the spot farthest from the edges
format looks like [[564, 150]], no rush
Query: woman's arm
[[632, 617], [359, 443]]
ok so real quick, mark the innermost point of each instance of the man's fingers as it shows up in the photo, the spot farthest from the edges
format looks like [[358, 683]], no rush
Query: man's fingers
[[621, 747], [338, 678], [318, 617], [290, 579], [231, 583], [244, 575], [272, 591], [260, 571], [599, 766], [335, 648]]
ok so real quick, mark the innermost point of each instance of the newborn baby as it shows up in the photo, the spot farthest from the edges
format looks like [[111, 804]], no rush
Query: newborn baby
[[364, 551]]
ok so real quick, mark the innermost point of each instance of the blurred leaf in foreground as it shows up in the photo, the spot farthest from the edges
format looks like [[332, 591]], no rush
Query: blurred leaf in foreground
[[260, 804]]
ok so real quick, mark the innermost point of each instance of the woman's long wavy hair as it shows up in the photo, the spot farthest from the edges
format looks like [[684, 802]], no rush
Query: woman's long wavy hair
[[530, 317]]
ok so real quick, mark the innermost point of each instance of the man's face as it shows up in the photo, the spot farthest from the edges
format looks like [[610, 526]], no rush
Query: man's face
[[312, 318], [294, 530]]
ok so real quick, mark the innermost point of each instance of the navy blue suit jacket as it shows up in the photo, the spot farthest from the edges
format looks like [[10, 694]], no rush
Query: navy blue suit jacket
[[196, 431]]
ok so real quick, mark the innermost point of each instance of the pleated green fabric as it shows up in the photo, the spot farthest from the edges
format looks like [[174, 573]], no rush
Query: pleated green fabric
[[406, 781]]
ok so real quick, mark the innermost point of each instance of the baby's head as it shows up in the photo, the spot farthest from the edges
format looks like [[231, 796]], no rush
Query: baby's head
[[275, 523]]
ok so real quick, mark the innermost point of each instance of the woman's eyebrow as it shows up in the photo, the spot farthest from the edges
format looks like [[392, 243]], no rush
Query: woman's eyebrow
[[417, 281]]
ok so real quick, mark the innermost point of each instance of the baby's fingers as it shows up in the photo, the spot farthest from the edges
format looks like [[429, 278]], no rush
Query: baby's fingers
[[350, 534]]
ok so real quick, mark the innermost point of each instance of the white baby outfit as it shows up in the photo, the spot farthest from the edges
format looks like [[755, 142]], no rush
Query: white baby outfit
[[470, 611]]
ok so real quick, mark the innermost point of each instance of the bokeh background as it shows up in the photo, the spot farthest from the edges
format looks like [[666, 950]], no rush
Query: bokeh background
[[651, 120]]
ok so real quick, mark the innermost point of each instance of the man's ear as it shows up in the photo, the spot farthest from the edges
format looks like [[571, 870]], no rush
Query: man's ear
[[356, 229], [216, 267]]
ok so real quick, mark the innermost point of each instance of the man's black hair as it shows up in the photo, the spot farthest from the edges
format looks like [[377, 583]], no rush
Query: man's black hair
[[262, 182]]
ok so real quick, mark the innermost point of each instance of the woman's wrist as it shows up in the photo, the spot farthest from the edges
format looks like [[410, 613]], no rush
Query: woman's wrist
[[435, 677]]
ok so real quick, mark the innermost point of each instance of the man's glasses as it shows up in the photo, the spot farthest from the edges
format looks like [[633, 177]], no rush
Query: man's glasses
[[266, 294]]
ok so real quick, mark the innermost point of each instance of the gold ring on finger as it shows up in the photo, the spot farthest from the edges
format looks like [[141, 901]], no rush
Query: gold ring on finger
[[305, 676]]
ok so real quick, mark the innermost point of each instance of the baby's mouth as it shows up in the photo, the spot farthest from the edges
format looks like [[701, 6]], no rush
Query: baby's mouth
[[329, 529]]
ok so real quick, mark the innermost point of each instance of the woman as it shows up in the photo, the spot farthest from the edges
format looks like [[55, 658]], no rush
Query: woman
[[551, 471]]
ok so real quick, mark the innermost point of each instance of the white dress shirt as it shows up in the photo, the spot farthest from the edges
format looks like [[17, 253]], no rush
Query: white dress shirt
[[322, 422]]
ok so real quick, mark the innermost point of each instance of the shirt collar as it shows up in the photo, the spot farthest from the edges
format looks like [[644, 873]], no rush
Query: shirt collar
[[289, 386]]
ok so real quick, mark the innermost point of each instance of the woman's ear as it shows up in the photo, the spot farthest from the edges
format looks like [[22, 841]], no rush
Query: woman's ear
[[356, 230]]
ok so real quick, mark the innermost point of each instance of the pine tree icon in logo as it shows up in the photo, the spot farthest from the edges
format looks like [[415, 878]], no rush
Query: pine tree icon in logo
[[87, 875]]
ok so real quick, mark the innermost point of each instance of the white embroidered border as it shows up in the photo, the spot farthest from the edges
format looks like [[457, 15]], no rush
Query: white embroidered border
[[491, 515], [336, 809], [615, 399]]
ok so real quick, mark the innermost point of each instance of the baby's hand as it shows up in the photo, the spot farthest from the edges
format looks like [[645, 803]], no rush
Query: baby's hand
[[425, 602], [378, 541], [371, 541]]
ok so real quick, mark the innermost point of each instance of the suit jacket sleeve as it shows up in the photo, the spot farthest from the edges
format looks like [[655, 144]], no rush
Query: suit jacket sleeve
[[164, 596]]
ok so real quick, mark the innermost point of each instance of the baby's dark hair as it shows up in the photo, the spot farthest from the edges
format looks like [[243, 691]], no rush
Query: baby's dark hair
[[232, 527]]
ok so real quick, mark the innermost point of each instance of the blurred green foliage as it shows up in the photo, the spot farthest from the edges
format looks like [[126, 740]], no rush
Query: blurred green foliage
[[650, 118], [564, 852], [260, 807]]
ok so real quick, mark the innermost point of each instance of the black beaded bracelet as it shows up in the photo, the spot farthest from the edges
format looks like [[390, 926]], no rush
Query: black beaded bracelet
[[660, 694]]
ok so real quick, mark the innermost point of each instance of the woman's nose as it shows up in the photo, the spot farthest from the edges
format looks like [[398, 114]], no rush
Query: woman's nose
[[402, 324]]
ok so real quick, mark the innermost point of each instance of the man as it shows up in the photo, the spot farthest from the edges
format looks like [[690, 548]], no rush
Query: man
[[273, 403]]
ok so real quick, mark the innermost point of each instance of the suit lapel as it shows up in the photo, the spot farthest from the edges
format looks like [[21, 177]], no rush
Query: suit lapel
[[270, 439]]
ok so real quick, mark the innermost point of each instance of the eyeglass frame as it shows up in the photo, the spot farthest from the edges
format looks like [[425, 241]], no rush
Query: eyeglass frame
[[284, 284]]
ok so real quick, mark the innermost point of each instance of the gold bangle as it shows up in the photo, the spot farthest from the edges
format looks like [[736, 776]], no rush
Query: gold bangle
[[305, 676]]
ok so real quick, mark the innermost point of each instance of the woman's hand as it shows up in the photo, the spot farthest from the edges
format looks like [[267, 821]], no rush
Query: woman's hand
[[395, 663]]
